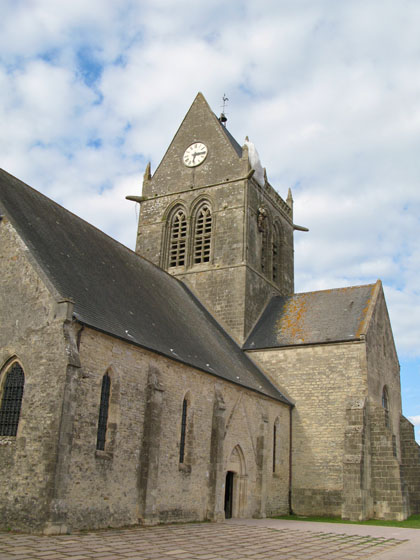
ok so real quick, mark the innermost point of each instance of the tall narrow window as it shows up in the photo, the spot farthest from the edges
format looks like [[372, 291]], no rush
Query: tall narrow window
[[385, 400], [385, 404], [178, 239], [183, 431], [274, 447], [202, 235], [11, 401], [103, 412]]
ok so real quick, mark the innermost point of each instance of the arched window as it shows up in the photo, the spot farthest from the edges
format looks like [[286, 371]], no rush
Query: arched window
[[202, 234], [276, 257], [11, 401], [183, 431], [385, 404], [178, 238], [103, 412]]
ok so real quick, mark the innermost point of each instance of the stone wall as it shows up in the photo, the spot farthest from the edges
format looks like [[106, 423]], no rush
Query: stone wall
[[221, 164], [52, 477], [31, 331], [279, 214], [383, 368], [233, 285], [139, 475], [389, 491], [410, 459], [321, 381], [219, 283], [357, 490], [374, 485]]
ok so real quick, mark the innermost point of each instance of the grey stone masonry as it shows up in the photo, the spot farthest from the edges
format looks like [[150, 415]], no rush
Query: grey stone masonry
[[251, 241], [357, 497], [410, 458], [390, 499]]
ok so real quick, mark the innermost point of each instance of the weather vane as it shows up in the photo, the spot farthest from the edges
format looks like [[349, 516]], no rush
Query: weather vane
[[223, 117], [224, 99]]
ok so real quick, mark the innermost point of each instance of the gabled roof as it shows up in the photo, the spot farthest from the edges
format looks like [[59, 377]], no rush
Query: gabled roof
[[313, 318], [120, 293], [200, 123], [235, 144]]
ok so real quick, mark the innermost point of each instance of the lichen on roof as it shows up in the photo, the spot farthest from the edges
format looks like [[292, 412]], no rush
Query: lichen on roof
[[313, 317]]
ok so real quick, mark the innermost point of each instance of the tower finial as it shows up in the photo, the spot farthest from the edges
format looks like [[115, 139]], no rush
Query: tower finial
[[289, 198], [223, 117]]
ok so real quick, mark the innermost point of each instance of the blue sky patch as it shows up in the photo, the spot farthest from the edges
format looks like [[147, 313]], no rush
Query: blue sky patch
[[51, 56], [94, 143], [88, 65]]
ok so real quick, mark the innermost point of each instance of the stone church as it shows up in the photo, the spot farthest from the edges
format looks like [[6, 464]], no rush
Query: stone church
[[186, 380]]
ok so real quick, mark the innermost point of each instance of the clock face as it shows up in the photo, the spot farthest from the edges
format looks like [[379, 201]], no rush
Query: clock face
[[195, 154]]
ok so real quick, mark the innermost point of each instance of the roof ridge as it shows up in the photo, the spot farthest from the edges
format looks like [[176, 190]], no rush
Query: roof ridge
[[331, 289], [97, 229]]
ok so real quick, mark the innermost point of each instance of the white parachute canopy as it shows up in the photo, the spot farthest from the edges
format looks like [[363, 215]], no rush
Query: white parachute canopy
[[254, 160]]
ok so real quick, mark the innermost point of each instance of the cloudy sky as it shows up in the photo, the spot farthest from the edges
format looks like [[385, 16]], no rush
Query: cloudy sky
[[329, 92]]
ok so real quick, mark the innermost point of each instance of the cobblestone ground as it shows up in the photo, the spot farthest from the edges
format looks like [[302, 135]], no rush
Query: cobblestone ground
[[194, 542]]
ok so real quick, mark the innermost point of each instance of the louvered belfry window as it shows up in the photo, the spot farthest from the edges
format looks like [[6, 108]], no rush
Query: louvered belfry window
[[103, 412], [202, 237], [178, 239], [11, 401]]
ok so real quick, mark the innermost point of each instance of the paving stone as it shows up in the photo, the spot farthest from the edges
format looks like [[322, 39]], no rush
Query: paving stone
[[195, 542]]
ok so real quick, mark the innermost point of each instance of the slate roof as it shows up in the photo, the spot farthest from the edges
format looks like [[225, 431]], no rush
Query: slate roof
[[312, 318], [235, 144], [120, 293]]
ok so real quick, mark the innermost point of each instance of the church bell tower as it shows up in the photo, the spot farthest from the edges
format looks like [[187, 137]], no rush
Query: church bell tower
[[208, 220]]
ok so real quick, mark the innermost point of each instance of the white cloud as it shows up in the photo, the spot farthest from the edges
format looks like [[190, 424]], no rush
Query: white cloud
[[327, 91]]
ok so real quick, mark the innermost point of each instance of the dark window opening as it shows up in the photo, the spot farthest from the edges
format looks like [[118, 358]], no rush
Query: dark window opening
[[11, 402], [385, 400], [103, 412], [274, 447], [183, 431], [385, 405]]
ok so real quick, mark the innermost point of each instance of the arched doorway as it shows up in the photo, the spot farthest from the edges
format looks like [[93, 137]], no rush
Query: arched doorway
[[235, 484], [229, 494]]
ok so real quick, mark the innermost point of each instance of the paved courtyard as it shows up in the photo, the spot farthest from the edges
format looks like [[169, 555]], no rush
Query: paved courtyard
[[205, 541]]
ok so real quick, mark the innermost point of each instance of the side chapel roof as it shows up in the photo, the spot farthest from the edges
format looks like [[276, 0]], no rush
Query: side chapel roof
[[116, 291], [313, 318]]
